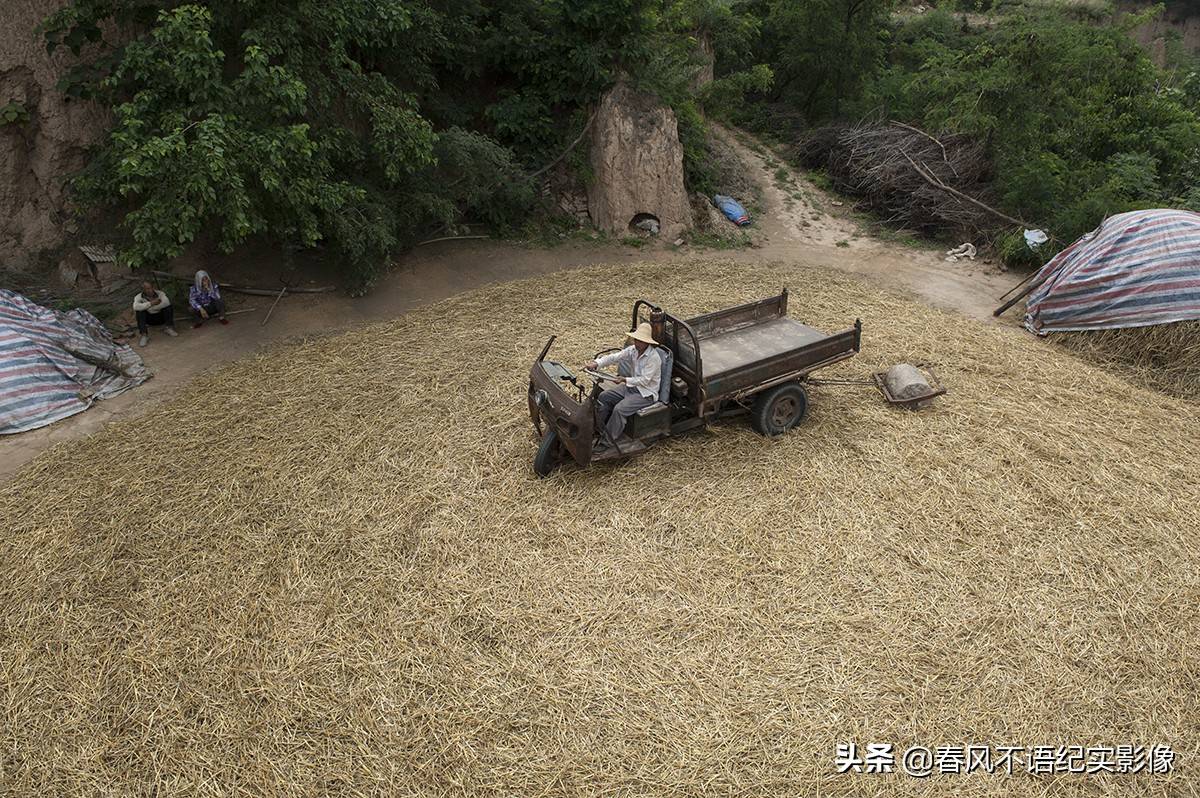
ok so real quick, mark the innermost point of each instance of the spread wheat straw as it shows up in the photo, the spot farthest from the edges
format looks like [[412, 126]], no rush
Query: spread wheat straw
[[1165, 357], [337, 575]]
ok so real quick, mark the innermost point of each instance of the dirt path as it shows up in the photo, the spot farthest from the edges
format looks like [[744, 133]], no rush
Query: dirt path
[[799, 223], [802, 222]]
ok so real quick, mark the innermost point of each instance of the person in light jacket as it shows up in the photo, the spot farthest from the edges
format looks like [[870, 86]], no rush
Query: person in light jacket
[[634, 392], [152, 306]]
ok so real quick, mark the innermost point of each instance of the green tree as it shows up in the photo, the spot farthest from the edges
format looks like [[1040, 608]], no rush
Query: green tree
[[1079, 122], [358, 124], [536, 62], [822, 51], [254, 117]]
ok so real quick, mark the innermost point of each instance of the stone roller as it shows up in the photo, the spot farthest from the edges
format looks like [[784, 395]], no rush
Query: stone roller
[[903, 385], [908, 386]]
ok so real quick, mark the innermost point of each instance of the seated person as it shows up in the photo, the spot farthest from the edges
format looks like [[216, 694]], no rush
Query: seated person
[[152, 306], [205, 300], [634, 392]]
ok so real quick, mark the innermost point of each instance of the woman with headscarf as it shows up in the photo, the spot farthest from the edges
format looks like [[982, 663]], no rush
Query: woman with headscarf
[[205, 300]]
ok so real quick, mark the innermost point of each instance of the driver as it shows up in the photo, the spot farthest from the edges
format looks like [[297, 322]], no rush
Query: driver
[[643, 362]]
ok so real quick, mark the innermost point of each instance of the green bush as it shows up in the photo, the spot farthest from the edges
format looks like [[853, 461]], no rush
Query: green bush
[[1078, 120], [727, 96], [13, 113], [821, 52], [481, 179], [698, 171], [1014, 252]]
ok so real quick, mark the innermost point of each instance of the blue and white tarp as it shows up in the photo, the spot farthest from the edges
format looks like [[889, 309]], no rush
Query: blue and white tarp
[[55, 364], [1136, 269]]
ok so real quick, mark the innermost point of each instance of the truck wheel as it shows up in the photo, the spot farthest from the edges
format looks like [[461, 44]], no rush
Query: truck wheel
[[548, 455], [779, 409]]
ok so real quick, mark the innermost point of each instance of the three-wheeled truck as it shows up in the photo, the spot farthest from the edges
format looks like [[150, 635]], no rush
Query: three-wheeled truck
[[746, 358]]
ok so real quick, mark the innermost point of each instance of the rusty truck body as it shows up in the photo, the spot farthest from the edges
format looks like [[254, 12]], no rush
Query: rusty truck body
[[750, 358]]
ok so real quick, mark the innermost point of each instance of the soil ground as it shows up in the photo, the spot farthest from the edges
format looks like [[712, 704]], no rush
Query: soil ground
[[799, 223]]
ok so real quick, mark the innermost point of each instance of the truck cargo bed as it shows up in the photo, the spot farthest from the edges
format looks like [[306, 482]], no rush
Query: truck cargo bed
[[738, 349], [731, 354]]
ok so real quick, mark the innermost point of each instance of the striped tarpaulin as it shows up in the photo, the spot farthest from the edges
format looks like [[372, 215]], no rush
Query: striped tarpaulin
[[54, 364], [1134, 270]]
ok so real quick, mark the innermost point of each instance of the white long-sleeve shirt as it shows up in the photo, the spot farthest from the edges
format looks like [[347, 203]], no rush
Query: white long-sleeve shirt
[[647, 368], [141, 303]]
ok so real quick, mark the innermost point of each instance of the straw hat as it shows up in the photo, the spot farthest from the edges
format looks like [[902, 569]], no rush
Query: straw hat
[[642, 333]]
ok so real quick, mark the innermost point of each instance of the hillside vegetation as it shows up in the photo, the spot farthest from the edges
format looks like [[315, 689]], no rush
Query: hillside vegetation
[[1077, 120], [364, 126]]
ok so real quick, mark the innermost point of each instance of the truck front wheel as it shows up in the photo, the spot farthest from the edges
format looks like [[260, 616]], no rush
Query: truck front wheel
[[549, 454], [779, 409]]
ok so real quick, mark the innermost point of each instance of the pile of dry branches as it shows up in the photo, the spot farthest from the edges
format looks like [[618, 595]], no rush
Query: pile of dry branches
[[907, 176], [336, 574]]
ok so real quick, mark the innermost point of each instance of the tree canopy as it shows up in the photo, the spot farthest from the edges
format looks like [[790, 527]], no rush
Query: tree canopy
[[356, 125], [1080, 123], [364, 125]]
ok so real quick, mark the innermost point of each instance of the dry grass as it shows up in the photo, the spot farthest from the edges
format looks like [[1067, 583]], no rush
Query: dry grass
[[350, 582], [1165, 357]]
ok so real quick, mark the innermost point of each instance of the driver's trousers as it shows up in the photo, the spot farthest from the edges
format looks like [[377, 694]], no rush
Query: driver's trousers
[[617, 405]]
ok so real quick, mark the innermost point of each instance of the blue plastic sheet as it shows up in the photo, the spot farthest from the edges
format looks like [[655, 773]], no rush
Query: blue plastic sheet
[[732, 209]]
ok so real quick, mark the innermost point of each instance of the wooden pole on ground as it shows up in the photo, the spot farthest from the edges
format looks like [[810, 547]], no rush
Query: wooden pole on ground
[[282, 291], [238, 289], [1018, 297]]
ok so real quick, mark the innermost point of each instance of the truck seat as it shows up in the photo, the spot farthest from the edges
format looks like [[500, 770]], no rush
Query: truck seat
[[654, 420], [664, 385]]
